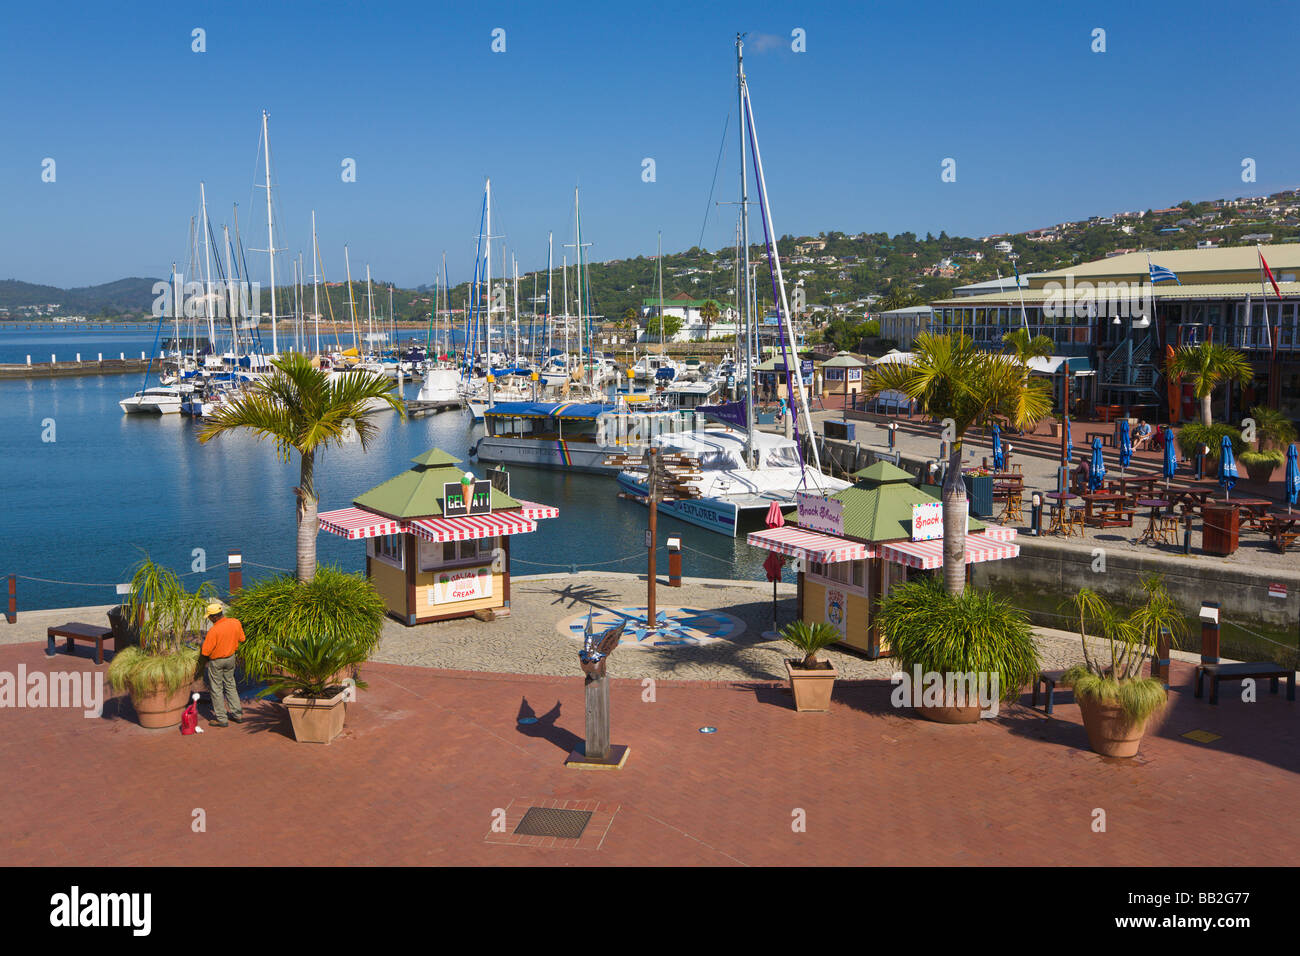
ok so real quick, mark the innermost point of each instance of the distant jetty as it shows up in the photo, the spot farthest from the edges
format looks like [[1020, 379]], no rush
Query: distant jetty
[[108, 366]]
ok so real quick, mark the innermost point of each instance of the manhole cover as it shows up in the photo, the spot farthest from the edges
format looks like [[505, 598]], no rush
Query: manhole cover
[[546, 822]]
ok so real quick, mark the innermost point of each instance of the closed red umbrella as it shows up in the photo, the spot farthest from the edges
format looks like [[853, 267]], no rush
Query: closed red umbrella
[[774, 517], [774, 561]]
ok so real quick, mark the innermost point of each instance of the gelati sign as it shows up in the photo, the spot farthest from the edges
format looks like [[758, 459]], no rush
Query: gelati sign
[[820, 514], [459, 500]]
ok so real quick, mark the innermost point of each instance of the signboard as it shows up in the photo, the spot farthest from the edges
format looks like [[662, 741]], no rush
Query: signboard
[[806, 369], [820, 514], [836, 605], [455, 505], [465, 584], [1277, 590], [500, 479], [927, 521]]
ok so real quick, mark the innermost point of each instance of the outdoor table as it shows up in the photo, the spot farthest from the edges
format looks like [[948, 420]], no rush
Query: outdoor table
[[1190, 500], [1145, 482], [1281, 528], [1252, 508], [1111, 513], [1152, 533], [1058, 511]]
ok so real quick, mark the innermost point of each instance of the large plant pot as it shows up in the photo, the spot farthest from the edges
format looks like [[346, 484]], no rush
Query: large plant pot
[[811, 688], [161, 708], [1110, 732], [944, 713], [316, 720], [1261, 474]]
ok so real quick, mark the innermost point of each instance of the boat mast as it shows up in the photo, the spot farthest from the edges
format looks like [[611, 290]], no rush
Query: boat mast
[[270, 232], [659, 262], [370, 310], [577, 240], [234, 308], [315, 277], [490, 303], [564, 271], [515, 263], [550, 319], [207, 267], [352, 302], [744, 239]]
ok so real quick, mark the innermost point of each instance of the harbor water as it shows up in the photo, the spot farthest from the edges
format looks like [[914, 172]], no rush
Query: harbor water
[[88, 491]]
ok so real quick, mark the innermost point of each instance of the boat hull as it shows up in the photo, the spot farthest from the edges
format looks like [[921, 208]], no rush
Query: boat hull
[[714, 514]]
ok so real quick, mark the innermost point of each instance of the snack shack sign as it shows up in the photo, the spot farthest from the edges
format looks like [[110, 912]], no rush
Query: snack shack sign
[[927, 521], [820, 514], [466, 585]]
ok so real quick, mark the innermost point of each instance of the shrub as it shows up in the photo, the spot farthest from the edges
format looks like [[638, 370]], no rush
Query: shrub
[[808, 639], [974, 631], [1194, 433], [1272, 426], [169, 620]]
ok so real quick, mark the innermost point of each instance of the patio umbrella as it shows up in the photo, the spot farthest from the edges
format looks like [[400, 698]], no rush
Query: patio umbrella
[[1292, 477], [1227, 468], [1069, 442], [774, 561], [1171, 457], [1125, 446], [1097, 469], [999, 459]]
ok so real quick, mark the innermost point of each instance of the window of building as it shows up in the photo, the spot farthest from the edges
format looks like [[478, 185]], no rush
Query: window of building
[[388, 549]]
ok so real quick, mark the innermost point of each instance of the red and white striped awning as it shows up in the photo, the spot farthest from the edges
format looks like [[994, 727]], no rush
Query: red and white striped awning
[[533, 511], [472, 527], [928, 555], [996, 532], [354, 523], [810, 545]]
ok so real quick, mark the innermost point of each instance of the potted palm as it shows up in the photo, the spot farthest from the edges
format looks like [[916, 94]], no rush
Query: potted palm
[[1273, 428], [1115, 700], [159, 670], [946, 641], [305, 638], [1260, 464], [811, 680]]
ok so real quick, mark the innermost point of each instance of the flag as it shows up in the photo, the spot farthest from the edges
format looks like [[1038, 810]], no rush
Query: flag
[[1161, 274], [1268, 272]]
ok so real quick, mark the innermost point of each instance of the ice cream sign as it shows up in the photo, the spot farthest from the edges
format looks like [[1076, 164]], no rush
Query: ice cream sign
[[464, 585], [820, 514], [927, 521]]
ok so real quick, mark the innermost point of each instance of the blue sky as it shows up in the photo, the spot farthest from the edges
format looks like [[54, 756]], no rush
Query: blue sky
[[853, 130]]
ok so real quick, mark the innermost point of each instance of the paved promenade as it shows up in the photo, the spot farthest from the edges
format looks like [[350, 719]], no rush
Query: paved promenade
[[430, 758]]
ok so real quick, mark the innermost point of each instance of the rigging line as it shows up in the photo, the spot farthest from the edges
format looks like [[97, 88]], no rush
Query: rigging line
[[722, 147]]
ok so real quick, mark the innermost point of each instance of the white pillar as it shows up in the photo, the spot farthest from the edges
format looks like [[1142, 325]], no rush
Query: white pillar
[[78, 357], [29, 360]]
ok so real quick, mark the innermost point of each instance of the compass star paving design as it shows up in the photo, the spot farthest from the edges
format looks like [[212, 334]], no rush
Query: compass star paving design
[[677, 626]]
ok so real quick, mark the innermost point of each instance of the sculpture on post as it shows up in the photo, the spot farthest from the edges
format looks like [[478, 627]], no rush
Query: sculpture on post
[[597, 753]]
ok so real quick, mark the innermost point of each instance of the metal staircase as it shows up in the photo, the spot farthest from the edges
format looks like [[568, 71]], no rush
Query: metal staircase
[[1129, 367]]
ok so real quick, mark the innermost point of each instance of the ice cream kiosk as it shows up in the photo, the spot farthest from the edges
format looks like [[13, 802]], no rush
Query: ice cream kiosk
[[853, 547], [438, 539]]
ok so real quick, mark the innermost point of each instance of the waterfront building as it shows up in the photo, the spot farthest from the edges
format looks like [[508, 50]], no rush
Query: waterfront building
[[1108, 313]]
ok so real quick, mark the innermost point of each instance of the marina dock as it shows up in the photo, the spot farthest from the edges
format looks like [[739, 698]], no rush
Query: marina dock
[[57, 369]]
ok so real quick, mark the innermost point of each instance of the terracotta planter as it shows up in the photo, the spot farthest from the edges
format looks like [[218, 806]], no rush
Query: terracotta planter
[[1261, 474], [945, 714], [161, 708], [316, 720], [811, 688], [1110, 733]]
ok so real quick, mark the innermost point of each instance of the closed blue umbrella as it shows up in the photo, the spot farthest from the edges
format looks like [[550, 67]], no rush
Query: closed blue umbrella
[[1125, 445], [1292, 477], [1097, 472], [1069, 443], [1227, 467], [999, 459], [1171, 458]]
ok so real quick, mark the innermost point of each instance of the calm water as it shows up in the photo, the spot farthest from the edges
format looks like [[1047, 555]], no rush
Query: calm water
[[83, 507]]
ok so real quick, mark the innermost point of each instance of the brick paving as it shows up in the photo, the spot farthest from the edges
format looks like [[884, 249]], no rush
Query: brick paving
[[429, 756]]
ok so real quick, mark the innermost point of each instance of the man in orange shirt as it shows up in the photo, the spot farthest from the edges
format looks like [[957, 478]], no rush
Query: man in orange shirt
[[219, 647]]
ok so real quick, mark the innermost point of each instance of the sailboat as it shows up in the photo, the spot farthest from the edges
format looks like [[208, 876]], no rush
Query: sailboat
[[743, 472], [440, 380]]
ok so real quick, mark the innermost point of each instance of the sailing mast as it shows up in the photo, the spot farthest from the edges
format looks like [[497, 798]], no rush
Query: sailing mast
[[370, 311], [352, 302], [233, 303], [748, 317], [270, 232], [315, 277], [490, 303], [207, 267], [577, 240], [550, 319]]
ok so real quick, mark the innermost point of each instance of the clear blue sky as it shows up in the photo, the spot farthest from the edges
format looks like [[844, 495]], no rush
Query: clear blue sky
[[853, 130]]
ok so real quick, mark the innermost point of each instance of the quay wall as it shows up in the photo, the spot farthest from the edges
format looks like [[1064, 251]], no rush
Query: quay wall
[[71, 369]]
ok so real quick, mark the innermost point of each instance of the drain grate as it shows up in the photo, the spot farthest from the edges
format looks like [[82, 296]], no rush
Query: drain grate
[[547, 822]]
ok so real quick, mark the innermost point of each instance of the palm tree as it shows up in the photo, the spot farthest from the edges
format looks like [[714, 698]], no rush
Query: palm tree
[[950, 378], [709, 314], [1025, 346], [1209, 365], [299, 408]]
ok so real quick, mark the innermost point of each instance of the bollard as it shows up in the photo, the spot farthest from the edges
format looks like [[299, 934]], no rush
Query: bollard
[[893, 427], [235, 563], [1036, 514], [12, 616], [101, 357], [674, 562], [1200, 461], [1209, 632], [52, 359], [1160, 663], [78, 358], [1187, 534], [29, 360], [122, 356]]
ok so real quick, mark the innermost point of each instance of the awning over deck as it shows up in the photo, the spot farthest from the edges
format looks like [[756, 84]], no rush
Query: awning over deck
[[355, 523], [927, 555], [533, 511], [810, 545]]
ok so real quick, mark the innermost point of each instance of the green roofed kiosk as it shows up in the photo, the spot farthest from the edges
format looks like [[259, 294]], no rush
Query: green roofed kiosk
[[437, 539], [856, 545]]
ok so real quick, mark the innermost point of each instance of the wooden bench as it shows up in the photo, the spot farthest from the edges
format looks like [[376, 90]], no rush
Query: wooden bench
[[1257, 670], [1049, 679], [79, 632], [1107, 438]]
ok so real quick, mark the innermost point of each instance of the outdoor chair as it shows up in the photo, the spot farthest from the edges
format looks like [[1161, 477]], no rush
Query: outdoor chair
[[1167, 529], [1075, 521]]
